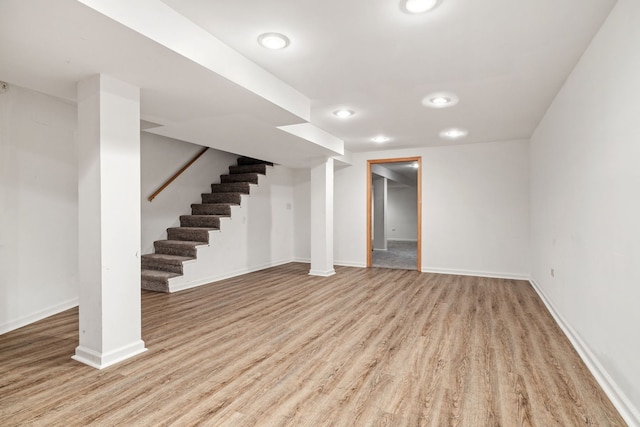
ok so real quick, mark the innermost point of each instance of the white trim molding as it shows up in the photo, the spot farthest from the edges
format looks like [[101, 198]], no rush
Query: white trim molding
[[103, 360], [181, 286], [628, 411], [490, 274], [42, 314], [322, 273], [350, 264]]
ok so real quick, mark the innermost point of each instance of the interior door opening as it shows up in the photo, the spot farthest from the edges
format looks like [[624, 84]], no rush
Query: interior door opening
[[394, 238]]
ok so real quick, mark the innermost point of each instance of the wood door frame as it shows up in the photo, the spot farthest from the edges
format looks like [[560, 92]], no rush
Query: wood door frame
[[419, 202]]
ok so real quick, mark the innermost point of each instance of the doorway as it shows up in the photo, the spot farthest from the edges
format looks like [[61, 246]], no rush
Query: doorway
[[394, 213]]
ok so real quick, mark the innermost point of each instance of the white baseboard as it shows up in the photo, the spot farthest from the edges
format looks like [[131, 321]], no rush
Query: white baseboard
[[321, 273], [340, 263], [101, 360], [223, 276], [491, 274], [350, 264], [34, 317], [628, 411]]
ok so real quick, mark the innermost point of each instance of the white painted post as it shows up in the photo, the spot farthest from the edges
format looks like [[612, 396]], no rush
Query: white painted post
[[109, 221], [322, 219]]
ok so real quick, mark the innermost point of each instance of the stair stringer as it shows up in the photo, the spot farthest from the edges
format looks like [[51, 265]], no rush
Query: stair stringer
[[257, 235]]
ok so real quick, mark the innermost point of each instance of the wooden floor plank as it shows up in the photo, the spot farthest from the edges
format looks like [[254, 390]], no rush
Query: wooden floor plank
[[370, 347]]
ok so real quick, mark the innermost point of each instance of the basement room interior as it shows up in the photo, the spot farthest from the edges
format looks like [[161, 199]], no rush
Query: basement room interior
[[337, 213]]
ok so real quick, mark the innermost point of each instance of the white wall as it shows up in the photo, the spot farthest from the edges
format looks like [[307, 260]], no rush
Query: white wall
[[161, 157], [402, 209], [301, 215], [38, 207], [475, 208], [585, 200], [350, 210]]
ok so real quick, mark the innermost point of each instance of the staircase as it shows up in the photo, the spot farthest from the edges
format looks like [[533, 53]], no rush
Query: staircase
[[182, 242]]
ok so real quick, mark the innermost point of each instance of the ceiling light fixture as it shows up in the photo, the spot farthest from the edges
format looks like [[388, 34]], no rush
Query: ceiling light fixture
[[343, 114], [453, 133], [273, 41], [414, 165], [419, 6], [380, 139], [440, 100]]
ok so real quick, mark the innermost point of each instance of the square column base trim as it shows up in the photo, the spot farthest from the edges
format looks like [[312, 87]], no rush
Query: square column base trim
[[102, 360], [320, 273]]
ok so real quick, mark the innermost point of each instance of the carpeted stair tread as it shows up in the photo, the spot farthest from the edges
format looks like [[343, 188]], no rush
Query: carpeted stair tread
[[240, 177], [175, 259], [155, 274], [242, 161], [178, 247], [230, 198], [219, 209], [209, 221], [194, 234], [241, 169], [231, 187], [154, 280], [164, 262]]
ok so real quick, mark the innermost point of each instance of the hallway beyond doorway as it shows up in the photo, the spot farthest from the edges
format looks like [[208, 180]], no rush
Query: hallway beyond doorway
[[399, 254]]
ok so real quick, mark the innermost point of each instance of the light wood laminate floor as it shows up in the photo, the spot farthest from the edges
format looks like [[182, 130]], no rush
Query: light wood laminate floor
[[279, 347]]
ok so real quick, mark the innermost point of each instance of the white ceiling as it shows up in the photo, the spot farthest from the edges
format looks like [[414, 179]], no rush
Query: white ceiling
[[504, 59]]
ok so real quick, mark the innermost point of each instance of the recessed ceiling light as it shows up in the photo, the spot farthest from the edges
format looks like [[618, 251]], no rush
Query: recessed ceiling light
[[419, 6], [380, 139], [440, 100], [343, 113], [273, 40], [453, 133]]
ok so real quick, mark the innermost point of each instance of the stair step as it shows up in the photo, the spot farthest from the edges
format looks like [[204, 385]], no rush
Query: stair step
[[205, 221], [242, 161], [231, 198], [164, 262], [259, 168], [153, 280], [240, 177], [231, 187], [220, 209], [192, 234], [177, 247]]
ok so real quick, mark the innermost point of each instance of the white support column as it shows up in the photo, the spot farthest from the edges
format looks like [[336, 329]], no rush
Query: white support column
[[322, 219], [109, 221], [380, 214]]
